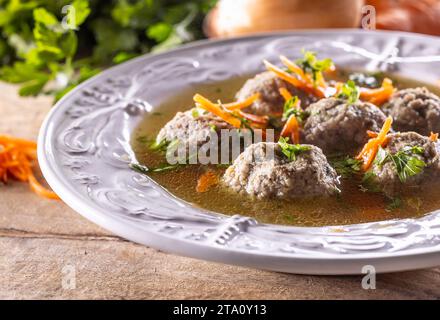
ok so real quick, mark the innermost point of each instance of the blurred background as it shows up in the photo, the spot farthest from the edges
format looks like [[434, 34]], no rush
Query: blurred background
[[50, 46]]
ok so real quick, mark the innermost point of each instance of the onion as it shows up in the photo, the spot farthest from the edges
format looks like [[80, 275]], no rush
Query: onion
[[238, 17]]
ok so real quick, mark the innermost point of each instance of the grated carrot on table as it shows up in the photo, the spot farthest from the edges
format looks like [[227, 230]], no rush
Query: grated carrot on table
[[17, 158]]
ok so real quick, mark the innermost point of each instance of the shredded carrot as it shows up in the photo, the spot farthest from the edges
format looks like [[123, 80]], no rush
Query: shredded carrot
[[242, 104], [369, 151], [292, 66], [372, 134], [17, 158], [232, 116], [283, 74], [379, 95], [285, 94], [291, 129], [204, 103], [301, 83], [206, 181], [317, 89], [433, 137], [263, 120]]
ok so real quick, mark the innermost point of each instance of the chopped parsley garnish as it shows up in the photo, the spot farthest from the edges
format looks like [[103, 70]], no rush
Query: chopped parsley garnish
[[142, 139], [165, 167], [311, 65], [291, 150], [405, 161], [213, 127], [159, 145], [195, 113], [139, 168], [145, 170], [350, 92], [369, 183], [290, 109], [347, 166], [395, 203], [164, 145]]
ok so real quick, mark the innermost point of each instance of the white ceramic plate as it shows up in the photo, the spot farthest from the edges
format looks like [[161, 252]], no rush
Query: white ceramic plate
[[84, 152]]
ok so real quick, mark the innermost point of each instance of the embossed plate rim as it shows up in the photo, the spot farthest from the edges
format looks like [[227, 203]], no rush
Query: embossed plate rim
[[335, 263]]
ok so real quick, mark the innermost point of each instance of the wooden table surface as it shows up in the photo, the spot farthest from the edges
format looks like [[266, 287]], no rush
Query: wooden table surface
[[42, 242]]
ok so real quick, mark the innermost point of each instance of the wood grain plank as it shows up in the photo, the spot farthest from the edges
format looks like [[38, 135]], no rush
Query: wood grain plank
[[38, 238], [33, 268]]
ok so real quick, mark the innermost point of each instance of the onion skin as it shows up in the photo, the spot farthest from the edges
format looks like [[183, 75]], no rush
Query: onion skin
[[240, 17]]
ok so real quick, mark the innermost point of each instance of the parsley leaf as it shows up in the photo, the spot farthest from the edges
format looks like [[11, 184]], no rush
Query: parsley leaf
[[347, 166], [145, 170], [310, 64], [369, 182], [56, 42], [290, 109], [291, 150], [405, 161], [160, 145], [350, 92], [395, 203], [195, 112]]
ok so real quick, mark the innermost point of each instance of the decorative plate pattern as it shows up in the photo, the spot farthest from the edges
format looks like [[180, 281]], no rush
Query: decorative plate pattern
[[84, 152]]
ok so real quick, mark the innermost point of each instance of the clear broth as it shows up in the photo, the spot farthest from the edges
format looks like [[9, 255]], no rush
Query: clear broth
[[351, 206]]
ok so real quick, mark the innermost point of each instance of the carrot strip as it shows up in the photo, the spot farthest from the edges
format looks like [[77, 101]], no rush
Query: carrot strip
[[379, 95], [372, 134], [206, 181], [292, 66], [242, 104], [433, 137], [283, 75], [369, 151], [233, 116], [5, 140], [204, 103], [308, 84], [291, 128], [285, 94], [254, 118], [39, 189], [17, 157]]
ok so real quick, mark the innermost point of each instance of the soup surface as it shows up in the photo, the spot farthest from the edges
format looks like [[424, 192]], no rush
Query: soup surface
[[353, 205]]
